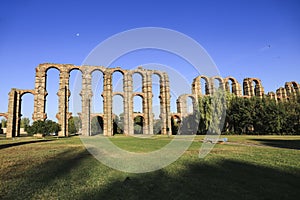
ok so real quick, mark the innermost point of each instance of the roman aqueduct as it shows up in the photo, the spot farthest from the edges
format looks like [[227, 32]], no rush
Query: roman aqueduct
[[251, 87]]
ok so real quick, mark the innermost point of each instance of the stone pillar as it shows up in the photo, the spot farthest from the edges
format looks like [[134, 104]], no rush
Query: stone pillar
[[163, 105], [259, 90], [127, 88], [11, 118], [168, 106], [196, 87], [18, 114], [40, 94], [130, 119], [147, 103], [107, 96], [63, 102], [247, 88], [86, 96]]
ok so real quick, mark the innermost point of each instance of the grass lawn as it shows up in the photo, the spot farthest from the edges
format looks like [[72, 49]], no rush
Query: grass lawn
[[246, 167]]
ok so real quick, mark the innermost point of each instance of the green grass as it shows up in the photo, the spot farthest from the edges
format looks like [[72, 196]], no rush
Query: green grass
[[247, 167]]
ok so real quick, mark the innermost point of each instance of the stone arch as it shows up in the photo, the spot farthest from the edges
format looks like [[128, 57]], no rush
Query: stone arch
[[160, 74], [139, 125], [22, 92], [121, 95], [213, 83], [142, 97], [197, 86], [74, 92], [91, 69], [97, 124], [281, 94], [114, 85], [4, 115], [3, 129], [142, 75], [292, 88], [53, 67], [86, 94], [73, 67], [182, 104], [250, 90], [235, 86], [272, 95]]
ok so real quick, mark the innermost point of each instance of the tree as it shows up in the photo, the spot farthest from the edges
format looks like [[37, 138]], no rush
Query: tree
[[43, 127], [74, 125], [25, 122], [3, 123], [138, 125]]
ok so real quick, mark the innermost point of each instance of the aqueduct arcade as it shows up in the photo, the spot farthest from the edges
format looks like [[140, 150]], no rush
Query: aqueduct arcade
[[201, 85]]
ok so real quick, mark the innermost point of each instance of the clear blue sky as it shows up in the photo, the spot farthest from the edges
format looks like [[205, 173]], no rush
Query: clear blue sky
[[244, 38]]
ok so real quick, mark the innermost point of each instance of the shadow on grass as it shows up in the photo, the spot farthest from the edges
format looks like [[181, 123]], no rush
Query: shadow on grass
[[32, 181], [287, 144], [224, 179], [3, 146]]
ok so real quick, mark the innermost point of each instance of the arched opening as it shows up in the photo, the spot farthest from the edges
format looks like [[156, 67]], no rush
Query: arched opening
[[3, 125], [117, 81], [52, 87], [295, 87], [157, 126], [137, 80], [75, 86], [26, 112], [204, 85], [256, 87], [97, 125], [175, 123], [97, 89], [138, 125], [189, 105], [217, 84], [74, 125], [229, 84], [138, 104], [156, 101], [118, 114]]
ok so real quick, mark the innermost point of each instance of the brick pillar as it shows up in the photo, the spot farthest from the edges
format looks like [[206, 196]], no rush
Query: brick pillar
[[168, 106], [40, 94], [11, 117], [147, 101], [196, 87], [127, 88], [63, 102], [163, 105], [18, 114], [130, 119], [107, 96], [247, 88], [86, 96]]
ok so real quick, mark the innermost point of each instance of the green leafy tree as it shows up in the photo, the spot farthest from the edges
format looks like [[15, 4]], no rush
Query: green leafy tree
[[3, 123], [43, 127], [74, 125], [138, 125], [25, 122]]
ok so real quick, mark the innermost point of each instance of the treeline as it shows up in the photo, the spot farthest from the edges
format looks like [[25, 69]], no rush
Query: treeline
[[248, 116]]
